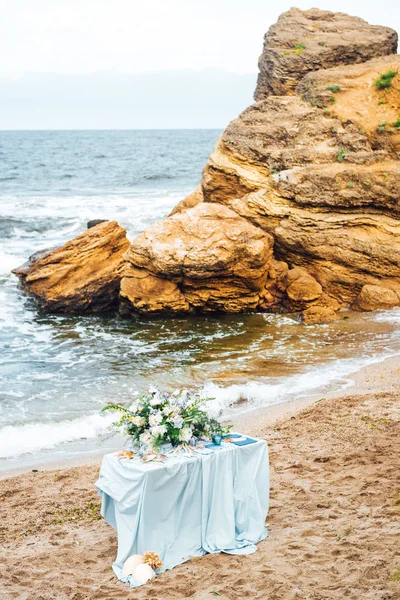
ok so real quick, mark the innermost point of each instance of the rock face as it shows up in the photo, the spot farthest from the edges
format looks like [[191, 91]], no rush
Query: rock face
[[299, 204], [213, 259], [315, 166], [81, 276], [303, 41], [325, 181]]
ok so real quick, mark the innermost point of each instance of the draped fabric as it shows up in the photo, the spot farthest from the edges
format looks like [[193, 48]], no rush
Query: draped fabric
[[213, 502]]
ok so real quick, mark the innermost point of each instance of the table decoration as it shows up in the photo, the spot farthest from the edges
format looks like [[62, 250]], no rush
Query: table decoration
[[131, 563], [143, 573], [217, 438], [156, 420], [199, 499], [126, 454]]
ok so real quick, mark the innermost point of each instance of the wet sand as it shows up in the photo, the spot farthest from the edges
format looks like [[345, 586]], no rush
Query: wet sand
[[334, 520]]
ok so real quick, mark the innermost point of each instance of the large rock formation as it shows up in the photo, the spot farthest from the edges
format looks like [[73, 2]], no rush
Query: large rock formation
[[213, 259], [303, 41], [315, 166], [83, 275], [299, 204]]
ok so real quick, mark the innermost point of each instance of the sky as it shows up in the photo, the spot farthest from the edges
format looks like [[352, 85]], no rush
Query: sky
[[134, 60]]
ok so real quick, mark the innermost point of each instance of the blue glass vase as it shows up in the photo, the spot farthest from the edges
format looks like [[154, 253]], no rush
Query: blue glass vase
[[217, 439]]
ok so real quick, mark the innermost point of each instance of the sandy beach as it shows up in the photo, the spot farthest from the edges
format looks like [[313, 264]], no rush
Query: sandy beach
[[333, 523]]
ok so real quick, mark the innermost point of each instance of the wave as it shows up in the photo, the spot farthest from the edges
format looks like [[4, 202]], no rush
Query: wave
[[9, 262], [159, 177], [245, 397], [16, 440]]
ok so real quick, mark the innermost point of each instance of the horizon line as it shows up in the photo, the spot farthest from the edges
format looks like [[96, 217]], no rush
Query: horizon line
[[116, 129]]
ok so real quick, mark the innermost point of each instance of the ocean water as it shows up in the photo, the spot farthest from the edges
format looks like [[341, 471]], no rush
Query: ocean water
[[57, 371]]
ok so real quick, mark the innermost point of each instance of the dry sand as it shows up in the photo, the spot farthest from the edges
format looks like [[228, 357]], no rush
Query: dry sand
[[334, 521]]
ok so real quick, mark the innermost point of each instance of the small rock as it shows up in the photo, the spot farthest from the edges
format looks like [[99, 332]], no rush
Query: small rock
[[373, 297], [95, 222]]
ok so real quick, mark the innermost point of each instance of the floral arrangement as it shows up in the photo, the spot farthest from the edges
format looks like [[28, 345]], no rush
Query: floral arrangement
[[156, 418]]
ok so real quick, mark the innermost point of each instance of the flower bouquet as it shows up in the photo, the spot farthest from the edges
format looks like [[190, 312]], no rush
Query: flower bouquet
[[156, 419]]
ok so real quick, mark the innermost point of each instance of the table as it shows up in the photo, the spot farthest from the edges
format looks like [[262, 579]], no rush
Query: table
[[216, 501]]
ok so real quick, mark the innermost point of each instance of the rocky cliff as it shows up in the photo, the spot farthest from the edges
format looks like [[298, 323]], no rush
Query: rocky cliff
[[299, 204], [304, 41]]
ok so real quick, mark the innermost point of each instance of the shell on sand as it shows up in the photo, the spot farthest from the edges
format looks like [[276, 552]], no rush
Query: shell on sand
[[131, 563], [143, 573]]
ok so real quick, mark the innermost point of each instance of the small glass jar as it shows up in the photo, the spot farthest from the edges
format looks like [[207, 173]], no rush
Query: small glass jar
[[217, 439]]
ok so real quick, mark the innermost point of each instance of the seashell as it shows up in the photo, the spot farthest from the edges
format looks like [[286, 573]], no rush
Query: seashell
[[153, 560], [143, 573], [126, 454], [131, 563]]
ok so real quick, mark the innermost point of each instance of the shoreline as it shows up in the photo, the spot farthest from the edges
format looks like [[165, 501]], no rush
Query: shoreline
[[380, 376]]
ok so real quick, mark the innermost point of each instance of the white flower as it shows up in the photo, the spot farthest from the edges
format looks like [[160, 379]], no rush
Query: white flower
[[185, 434], [176, 392], [177, 422], [145, 438], [155, 419], [155, 400], [153, 390], [138, 421], [158, 430]]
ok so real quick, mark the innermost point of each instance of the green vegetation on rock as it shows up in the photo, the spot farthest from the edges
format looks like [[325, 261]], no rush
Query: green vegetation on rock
[[384, 80], [333, 88]]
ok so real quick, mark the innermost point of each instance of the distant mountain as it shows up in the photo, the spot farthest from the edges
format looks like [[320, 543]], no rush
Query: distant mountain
[[167, 99]]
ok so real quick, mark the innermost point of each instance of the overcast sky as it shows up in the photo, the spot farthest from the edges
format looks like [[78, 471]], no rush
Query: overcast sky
[[92, 38]]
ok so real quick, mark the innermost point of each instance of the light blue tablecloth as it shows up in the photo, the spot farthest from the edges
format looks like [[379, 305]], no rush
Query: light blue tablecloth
[[185, 507]]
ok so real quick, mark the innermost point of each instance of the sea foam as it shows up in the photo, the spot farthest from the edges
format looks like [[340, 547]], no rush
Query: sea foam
[[16, 440]]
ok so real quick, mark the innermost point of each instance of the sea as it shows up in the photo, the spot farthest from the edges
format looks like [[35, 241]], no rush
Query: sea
[[58, 371]]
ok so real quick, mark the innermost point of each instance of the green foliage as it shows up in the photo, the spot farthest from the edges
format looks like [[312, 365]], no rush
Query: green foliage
[[332, 99], [333, 88], [321, 43], [384, 80], [327, 111], [351, 185], [396, 123], [341, 154], [383, 101], [298, 49], [367, 182]]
